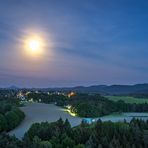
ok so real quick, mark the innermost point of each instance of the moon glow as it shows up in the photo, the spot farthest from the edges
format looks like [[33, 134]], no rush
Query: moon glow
[[34, 45]]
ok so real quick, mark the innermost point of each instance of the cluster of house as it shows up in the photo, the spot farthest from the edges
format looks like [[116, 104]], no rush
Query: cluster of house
[[21, 96]]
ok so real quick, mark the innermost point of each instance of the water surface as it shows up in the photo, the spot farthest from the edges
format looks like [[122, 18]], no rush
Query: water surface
[[39, 112]]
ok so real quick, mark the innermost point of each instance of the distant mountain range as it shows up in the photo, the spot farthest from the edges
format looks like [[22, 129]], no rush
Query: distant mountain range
[[102, 89], [110, 90], [13, 87]]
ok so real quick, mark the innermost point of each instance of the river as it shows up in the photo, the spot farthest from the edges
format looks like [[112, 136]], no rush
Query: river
[[39, 112]]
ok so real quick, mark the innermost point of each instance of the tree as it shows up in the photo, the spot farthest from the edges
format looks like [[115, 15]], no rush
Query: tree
[[100, 146], [33, 131], [68, 142], [36, 142], [60, 124], [7, 141], [12, 119], [67, 127], [45, 144], [80, 146], [67, 124], [3, 123]]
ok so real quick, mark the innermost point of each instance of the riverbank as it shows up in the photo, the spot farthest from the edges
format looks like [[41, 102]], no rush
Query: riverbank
[[40, 112]]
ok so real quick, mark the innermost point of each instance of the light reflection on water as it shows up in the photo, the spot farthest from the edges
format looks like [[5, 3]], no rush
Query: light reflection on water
[[39, 112]]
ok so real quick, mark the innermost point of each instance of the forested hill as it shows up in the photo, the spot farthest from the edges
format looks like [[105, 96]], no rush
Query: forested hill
[[111, 90], [101, 89]]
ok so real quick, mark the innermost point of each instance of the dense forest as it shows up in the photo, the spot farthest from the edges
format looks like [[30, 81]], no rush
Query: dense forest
[[85, 105], [96, 105], [10, 117], [10, 114], [98, 135]]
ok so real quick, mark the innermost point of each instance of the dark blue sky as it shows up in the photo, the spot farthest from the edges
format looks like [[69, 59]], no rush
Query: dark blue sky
[[93, 42]]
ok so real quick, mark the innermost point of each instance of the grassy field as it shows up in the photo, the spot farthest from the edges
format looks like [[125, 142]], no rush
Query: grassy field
[[128, 99]]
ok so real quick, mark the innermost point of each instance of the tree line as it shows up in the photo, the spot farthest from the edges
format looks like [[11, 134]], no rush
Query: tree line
[[86, 105], [60, 134], [10, 117]]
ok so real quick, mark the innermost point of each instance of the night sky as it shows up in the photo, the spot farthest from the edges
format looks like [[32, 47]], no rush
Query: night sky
[[88, 42]]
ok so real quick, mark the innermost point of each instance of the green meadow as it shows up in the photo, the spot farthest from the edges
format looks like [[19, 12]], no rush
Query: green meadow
[[128, 99]]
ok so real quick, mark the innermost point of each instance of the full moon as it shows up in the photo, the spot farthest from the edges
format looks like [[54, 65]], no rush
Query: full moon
[[34, 45]]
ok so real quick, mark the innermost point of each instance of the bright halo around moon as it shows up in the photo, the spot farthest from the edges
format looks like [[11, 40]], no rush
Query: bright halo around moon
[[34, 45]]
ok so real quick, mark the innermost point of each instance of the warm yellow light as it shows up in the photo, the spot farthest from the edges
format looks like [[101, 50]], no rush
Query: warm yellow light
[[72, 114], [34, 45]]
